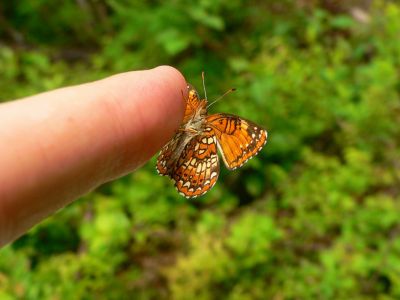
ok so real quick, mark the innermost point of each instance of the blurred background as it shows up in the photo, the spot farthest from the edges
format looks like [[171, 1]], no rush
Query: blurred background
[[316, 215]]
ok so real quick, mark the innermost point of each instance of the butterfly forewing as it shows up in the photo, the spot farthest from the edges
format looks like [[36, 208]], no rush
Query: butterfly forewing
[[192, 103], [238, 139]]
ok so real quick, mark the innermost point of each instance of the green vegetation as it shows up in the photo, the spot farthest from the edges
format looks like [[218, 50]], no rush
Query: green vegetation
[[316, 215]]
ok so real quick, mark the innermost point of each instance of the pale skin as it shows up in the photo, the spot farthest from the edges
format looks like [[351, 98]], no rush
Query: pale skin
[[59, 145]]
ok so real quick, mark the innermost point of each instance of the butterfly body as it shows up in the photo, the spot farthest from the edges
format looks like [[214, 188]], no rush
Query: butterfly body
[[190, 158]]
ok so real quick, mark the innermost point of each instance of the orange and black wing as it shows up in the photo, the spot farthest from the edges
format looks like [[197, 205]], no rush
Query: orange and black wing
[[238, 139], [197, 169], [165, 156], [170, 153], [193, 103]]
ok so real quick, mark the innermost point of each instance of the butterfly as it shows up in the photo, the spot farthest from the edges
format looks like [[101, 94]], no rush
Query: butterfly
[[190, 158]]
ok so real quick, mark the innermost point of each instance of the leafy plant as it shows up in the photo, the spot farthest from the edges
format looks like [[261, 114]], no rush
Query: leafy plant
[[313, 216]]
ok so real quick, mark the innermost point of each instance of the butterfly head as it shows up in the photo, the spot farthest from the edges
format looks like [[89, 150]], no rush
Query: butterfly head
[[197, 109]]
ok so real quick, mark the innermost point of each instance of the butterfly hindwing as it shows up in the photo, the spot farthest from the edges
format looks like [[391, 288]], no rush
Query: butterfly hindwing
[[197, 169], [238, 139], [171, 152], [164, 157]]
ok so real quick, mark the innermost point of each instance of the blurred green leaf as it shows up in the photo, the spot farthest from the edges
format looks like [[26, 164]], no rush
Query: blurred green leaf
[[315, 215]]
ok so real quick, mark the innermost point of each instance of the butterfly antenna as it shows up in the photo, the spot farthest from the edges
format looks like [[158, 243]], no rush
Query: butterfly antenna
[[204, 86], [220, 97]]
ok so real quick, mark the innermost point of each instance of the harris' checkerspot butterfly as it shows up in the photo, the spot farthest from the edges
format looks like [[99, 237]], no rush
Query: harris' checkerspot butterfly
[[190, 158]]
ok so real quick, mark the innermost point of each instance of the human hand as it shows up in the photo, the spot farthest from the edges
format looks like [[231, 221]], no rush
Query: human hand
[[58, 145]]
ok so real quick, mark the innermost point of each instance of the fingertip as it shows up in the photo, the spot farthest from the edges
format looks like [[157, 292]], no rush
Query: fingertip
[[174, 85], [169, 86], [148, 107]]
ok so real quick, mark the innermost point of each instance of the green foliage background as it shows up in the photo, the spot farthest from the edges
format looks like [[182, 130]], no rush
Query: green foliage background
[[316, 215]]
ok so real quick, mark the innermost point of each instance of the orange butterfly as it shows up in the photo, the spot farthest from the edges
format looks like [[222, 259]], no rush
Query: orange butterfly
[[190, 158]]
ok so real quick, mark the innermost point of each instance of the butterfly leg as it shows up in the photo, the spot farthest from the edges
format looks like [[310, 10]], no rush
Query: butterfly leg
[[187, 130]]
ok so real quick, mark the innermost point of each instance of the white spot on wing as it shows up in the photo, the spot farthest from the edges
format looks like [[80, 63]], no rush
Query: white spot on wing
[[199, 167]]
